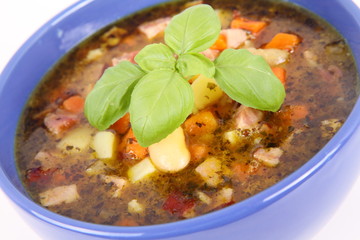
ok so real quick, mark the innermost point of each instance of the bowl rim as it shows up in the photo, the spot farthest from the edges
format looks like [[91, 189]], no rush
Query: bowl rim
[[208, 221]]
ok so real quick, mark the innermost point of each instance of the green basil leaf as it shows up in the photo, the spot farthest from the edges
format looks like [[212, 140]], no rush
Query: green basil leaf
[[190, 64], [160, 103], [155, 56], [193, 30], [249, 80], [110, 98]]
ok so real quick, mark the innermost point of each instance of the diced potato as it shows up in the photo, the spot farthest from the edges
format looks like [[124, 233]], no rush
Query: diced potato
[[203, 197], [94, 54], [59, 195], [104, 143], [210, 171], [272, 56], [141, 170], [232, 137], [206, 92], [224, 196], [171, 153], [135, 207], [76, 141]]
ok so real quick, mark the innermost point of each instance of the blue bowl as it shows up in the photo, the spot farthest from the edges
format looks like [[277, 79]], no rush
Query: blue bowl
[[294, 208]]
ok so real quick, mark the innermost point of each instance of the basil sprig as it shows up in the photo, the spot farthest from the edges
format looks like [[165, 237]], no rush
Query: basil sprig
[[155, 90]]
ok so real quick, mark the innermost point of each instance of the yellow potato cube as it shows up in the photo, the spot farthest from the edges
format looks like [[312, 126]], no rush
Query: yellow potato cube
[[206, 92], [141, 170], [76, 141], [104, 144]]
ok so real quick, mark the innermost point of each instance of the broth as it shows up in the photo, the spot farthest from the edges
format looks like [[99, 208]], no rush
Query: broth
[[321, 87]]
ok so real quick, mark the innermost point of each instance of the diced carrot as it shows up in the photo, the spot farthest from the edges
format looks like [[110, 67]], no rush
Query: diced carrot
[[198, 151], [130, 148], [201, 123], [280, 73], [220, 43], [284, 41], [294, 113], [122, 125], [299, 112], [247, 24], [242, 171], [74, 104]]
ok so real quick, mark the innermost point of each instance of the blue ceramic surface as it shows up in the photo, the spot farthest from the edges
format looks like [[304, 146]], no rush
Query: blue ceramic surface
[[295, 208]]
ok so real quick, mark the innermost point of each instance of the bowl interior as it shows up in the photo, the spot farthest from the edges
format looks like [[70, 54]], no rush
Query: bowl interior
[[76, 23]]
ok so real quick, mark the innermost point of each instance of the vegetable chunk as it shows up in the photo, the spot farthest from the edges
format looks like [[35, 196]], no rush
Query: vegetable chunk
[[59, 195], [269, 156], [206, 92], [76, 141], [170, 154], [201, 123], [210, 171], [104, 144], [284, 41], [141, 170]]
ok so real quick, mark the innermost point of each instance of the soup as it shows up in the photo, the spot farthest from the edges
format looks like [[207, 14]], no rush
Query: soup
[[231, 151]]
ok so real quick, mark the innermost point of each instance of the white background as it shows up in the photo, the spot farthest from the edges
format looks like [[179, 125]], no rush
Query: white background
[[19, 19]]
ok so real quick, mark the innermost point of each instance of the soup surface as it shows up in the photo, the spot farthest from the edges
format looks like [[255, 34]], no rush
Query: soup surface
[[106, 177]]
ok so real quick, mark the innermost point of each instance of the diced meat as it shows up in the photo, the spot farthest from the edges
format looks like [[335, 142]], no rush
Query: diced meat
[[272, 56], [268, 156], [118, 182], [331, 74], [153, 28], [125, 57], [331, 77], [178, 204], [59, 121], [247, 118], [234, 37], [211, 54], [47, 160], [59, 195]]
